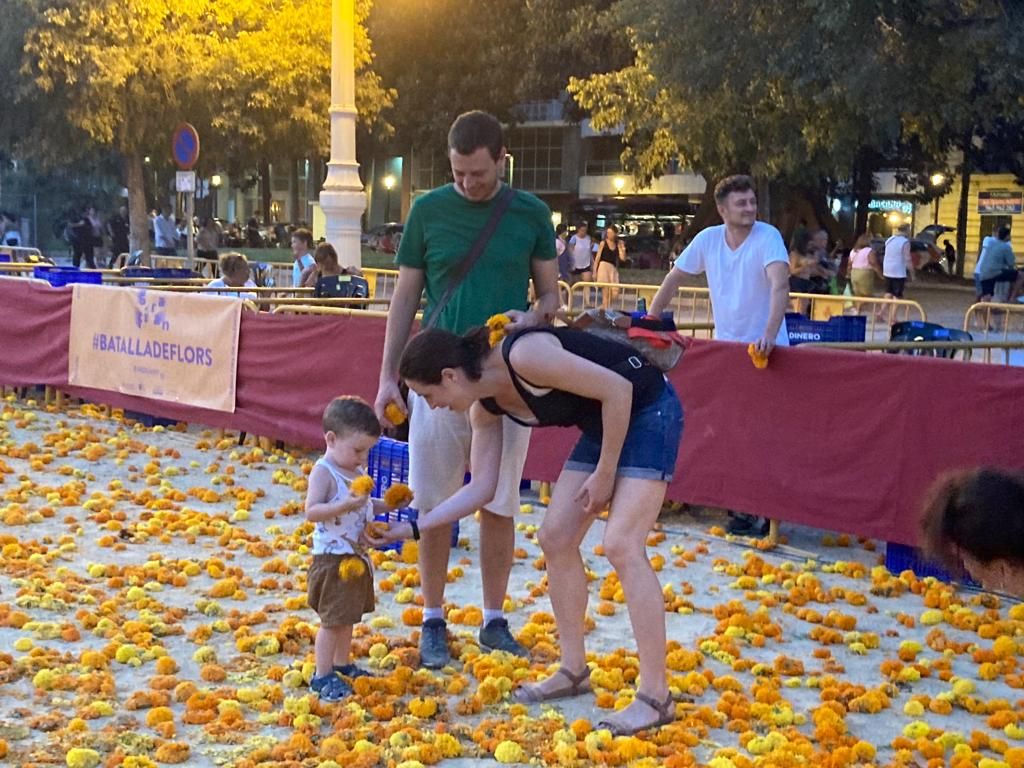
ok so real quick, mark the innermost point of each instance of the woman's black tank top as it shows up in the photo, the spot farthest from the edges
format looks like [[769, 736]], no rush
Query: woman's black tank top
[[558, 408]]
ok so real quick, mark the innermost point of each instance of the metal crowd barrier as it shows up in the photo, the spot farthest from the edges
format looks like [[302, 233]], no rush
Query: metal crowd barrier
[[20, 252], [967, 347], [989, 321], [881, 313]]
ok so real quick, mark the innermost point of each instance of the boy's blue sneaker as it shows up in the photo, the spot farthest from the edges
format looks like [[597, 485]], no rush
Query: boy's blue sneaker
[[351, 671], [330, 687]]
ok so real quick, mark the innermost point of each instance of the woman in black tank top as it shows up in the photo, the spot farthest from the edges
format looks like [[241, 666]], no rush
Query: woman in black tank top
[[631, 422]]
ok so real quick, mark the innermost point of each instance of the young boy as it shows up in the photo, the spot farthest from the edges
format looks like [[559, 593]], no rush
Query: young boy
[[340, 582]]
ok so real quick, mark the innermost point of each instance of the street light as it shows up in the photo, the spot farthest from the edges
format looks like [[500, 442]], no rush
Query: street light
[[215, 181], [938, 179], [619, 183], [389, 184]]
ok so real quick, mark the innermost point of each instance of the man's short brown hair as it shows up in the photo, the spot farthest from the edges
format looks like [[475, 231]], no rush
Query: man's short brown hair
[[347, 415], [730, 184], [305, 236], [476, 129], [234, 264]]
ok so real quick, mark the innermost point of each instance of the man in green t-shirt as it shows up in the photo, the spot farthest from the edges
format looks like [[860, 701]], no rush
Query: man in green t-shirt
[[439, 232]]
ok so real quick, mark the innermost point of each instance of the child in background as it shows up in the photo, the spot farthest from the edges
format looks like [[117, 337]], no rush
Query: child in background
[[340, 579]]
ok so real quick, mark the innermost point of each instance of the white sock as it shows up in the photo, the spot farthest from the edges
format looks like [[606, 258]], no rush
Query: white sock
[[491, 615], [433, 613]]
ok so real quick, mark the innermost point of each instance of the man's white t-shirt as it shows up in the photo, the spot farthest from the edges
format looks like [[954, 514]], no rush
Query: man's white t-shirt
[[307, 261], [219, 283], [581, 250], [895, 263], [738, 281], [981, 256]]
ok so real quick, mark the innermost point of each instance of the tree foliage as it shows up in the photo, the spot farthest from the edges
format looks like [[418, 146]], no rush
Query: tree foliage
[[799, 91], [445, 58], [121, 74]]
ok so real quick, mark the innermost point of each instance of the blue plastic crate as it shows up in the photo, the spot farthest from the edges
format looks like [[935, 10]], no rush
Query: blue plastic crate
[[58, 276], [160, 273], [802, 330], [5, 258], [388, 464], [900, 557]]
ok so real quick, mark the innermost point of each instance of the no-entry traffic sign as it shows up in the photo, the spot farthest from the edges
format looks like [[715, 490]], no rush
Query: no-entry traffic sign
[[185, 146]]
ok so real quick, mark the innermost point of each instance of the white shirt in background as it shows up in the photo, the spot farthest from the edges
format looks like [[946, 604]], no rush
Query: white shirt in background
[[738, 280]]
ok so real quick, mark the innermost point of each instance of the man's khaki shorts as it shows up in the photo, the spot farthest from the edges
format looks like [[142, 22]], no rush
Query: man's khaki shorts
[[439, 441]]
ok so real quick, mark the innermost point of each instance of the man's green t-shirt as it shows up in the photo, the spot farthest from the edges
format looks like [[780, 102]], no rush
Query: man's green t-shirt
[[438, 234]]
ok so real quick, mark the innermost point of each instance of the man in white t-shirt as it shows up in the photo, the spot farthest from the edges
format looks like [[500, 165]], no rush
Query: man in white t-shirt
[[302, 257], [897, 265], [747, 267]]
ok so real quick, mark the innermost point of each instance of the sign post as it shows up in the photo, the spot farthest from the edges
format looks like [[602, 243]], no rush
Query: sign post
[[185, 148]]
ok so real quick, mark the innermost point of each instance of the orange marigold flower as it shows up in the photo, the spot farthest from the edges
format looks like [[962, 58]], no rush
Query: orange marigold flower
[[398, 496], [759, 359], [394, 414]]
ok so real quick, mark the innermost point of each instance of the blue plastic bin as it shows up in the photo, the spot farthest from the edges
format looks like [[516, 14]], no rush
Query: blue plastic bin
[[388, 464], [840, 328], [58, 276], [5, 258], [161, 273], [900, 557]]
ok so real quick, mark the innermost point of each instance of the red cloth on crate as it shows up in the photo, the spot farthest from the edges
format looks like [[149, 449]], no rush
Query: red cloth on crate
[[837, 440]]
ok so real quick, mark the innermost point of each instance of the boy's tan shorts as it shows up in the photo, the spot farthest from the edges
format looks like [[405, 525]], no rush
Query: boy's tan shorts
[[338, 602]]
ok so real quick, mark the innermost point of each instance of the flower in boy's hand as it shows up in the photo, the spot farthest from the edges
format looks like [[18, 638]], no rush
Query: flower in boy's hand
[[398, 496], [394, 414], [361, 486], [760, 359], [496, 325]]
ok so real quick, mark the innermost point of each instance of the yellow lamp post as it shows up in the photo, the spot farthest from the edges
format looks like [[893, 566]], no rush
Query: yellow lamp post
[[342, 198], [389, 184]]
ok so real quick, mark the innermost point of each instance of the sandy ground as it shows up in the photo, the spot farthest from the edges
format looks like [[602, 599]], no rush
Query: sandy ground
[[60, 571]]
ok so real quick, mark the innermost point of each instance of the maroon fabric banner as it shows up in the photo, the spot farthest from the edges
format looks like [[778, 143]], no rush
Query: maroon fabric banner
[[837, 440]]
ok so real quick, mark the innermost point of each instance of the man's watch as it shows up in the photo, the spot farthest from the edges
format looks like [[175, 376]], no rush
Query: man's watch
[[415, 530]]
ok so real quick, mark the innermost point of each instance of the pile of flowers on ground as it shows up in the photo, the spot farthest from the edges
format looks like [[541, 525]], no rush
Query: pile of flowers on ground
[[153, 612]]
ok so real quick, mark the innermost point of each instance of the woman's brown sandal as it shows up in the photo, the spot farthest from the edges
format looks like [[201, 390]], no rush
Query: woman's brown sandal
[[579, 684], [666, 714]]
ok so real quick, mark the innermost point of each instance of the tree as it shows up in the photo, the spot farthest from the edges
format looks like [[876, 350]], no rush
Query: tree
[[445, 58], [122, 73], [779, 90]]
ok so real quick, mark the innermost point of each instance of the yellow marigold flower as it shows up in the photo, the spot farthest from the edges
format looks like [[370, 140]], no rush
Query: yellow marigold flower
[[351, 568], [80, 757], [361, 486], [398, 496], [394, 414], [496, 324], [423, 708], [509, 752]]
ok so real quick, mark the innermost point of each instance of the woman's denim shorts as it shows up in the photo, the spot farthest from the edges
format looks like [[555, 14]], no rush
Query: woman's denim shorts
[[651, 446]]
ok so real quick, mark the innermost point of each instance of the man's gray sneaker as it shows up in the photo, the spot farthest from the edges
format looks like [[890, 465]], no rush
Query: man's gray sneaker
[[496, 637], [434, 644]]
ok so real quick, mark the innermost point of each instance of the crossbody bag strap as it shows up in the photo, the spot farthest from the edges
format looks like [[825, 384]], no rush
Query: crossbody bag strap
[[476, 250]]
